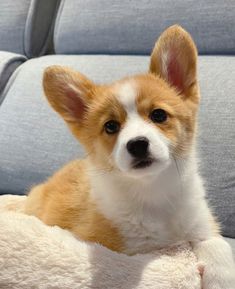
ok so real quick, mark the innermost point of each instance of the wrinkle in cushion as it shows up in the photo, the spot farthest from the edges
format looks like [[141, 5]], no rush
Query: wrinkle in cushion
[[26, 25], [8, 64]]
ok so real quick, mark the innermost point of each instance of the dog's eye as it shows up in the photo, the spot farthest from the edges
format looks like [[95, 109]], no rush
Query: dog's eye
[[158, 115], [112, 126]]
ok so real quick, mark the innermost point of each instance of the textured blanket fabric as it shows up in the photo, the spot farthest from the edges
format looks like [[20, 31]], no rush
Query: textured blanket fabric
[[34, 255]]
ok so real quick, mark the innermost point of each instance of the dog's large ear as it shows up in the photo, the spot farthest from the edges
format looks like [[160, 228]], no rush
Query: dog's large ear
[[174, 58], [68, 92]]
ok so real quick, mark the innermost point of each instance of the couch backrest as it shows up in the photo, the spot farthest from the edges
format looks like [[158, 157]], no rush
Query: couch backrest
[[26, 25], [131, 27]]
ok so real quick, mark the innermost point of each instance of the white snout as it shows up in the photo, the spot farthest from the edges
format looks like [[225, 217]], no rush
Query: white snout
[[158, 149]]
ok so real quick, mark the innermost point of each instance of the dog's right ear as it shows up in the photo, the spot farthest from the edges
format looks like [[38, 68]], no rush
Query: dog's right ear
[[174, 58], [68, 91]]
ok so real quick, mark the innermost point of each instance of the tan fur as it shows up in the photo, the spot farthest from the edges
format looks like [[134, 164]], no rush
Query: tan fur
[[155, 93], [64, 200]]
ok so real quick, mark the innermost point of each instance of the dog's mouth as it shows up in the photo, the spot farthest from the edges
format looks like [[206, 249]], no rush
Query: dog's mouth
[[142, 163]]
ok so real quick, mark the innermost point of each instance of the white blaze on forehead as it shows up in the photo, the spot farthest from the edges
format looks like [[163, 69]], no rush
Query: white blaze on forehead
[[135, 126], [126, 95]]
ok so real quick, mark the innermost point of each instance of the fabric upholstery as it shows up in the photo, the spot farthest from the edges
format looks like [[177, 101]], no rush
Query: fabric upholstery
[[22, 29], [131, 27], [13, 15], [8, 63], [216, 138], [35, 141]]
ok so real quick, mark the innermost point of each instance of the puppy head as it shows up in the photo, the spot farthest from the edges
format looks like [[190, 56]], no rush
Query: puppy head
[[138, 124]]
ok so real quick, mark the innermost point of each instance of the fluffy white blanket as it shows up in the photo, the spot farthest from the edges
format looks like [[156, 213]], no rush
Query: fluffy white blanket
[[34, 255]]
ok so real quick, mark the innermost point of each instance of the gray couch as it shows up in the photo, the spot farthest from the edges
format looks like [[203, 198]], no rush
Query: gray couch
[[107, 40]]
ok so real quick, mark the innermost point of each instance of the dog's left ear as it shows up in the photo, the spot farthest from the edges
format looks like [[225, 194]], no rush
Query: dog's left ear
[[174, 58], [68, 92]]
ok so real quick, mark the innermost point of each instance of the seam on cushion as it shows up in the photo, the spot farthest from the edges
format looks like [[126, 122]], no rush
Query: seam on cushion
[[50, 30], [58, 23], [25, 28], [7, 65], [14, 59], [28, 28], [9, 83], [7, 72], [30, 21]]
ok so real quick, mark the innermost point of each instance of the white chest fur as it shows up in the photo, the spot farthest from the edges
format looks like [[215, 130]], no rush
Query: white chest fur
[[153, 213]]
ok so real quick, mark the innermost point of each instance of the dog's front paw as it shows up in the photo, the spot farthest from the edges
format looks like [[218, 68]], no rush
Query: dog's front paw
[[221, 278]]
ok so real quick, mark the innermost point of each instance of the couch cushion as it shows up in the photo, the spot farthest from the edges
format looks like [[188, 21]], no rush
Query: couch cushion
[[8, 63], [35, 141], [26, 25], [131, 27], [216, 140]]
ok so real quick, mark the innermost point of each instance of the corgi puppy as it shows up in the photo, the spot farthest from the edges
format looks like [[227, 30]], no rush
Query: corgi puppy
[[138, 189]]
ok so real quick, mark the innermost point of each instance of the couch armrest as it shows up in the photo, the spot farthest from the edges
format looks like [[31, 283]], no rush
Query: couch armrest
[[8, 64]]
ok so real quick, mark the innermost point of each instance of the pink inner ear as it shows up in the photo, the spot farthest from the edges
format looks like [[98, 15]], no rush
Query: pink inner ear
[[74, 104], [174, 72]]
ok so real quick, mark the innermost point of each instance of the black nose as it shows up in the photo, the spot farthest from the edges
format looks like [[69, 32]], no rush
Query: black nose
[[138, 147]]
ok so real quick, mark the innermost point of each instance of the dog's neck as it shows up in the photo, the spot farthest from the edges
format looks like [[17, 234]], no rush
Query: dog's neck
[[177, 181], [168, 208]]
